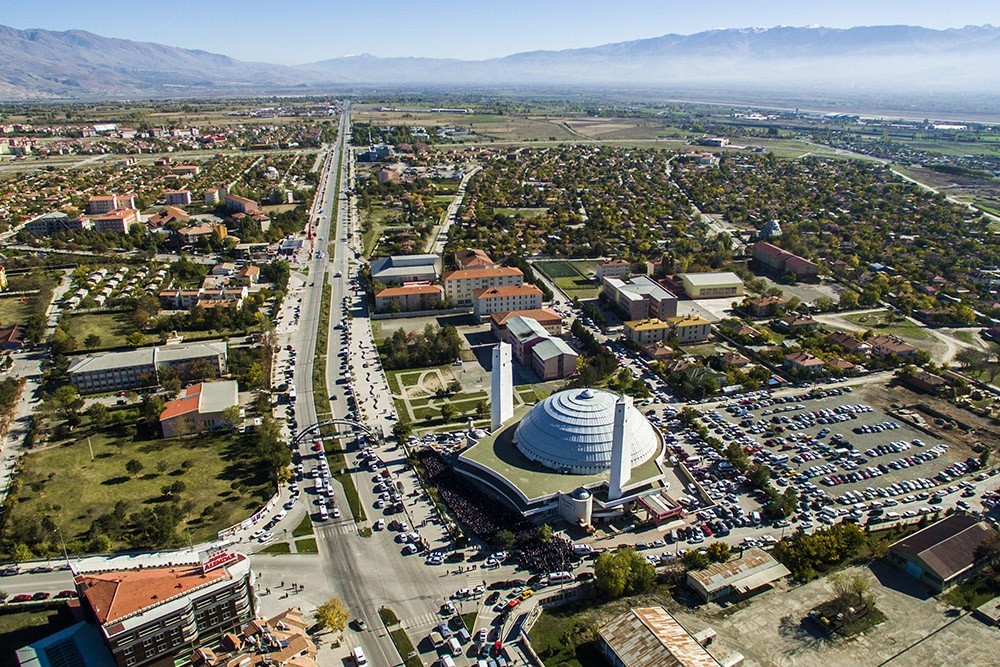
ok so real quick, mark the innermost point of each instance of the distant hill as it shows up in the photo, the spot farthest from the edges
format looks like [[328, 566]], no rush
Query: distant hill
[[895, 57], [899, 59], [46, 64]]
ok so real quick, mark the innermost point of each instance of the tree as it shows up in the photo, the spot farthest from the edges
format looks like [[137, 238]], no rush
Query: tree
[[68, 399], [135, 339], [849, 300], [623, 572], [504, 539], [20, 553], [98, 413], [92, 341], [854, 588], [545, 533], [332, 615], [718, 552], [231, 415], [448, 412], [401, 429], [133, 467], [695, 560]]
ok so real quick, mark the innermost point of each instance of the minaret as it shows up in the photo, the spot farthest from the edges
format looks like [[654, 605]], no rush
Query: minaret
[[502, 396], [621, 456]]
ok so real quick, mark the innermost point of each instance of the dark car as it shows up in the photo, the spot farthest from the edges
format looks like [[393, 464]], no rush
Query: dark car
[[21, 597], [66, 594], [585, 576], [41, 595], [493, 597]]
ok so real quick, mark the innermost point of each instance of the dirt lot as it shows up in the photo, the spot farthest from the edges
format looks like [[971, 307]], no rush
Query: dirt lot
[[769, 630]]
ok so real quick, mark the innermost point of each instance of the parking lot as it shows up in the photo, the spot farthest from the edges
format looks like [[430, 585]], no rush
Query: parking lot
[[843, 455]]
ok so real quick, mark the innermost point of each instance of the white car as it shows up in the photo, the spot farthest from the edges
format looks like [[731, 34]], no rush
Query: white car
[[266, 537]]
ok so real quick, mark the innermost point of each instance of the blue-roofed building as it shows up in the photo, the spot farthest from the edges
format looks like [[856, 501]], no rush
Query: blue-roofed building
[[80, 645]]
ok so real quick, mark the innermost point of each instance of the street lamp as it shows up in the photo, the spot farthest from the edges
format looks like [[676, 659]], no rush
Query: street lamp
[[63, 541]]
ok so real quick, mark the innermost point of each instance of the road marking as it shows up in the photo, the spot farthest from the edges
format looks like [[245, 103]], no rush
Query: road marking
[[424, 620]]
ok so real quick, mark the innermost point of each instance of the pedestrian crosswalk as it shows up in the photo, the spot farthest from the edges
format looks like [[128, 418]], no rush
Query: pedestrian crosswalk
[[423, 621], [346, 528]]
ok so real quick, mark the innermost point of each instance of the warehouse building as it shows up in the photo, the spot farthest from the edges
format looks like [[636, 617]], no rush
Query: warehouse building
[[942, 554], [751, 572]]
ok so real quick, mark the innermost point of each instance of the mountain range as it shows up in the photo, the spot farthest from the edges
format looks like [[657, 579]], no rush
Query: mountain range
[[39, 64]]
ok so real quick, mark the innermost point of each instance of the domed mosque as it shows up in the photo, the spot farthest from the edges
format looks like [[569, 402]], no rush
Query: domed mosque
[[581, 454]]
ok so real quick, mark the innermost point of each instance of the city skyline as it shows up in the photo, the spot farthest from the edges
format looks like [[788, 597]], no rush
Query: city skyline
[[448, 29]]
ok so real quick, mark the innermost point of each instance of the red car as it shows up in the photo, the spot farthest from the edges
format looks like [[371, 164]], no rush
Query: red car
[[41, 595], [66, 594], [22, 597], [317, 446]]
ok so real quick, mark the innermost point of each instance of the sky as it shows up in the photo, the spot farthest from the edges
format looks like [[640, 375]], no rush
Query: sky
[[291, 32]]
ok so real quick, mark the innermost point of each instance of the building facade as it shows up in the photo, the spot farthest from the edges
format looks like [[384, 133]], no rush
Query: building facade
[[717, 285], [115, 371], [459, 286], [408, 298], [640, 298], [201, 408], [159, 615], [491, 300], [775, 260], [399, 269]]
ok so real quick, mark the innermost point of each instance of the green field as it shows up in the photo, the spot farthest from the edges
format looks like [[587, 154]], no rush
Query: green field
[[884, 322], [111, 328], [571, 277], [306, 546], [64, 484], [13, 310]]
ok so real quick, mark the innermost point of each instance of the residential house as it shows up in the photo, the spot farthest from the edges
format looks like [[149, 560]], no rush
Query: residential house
[[194, 233], [795, 323], [12, 337], [658, 352], [200, 408], [848, 342], [927, 382], [884, 345], [765, 306], [185, 170], [248, 275], [803, 363]]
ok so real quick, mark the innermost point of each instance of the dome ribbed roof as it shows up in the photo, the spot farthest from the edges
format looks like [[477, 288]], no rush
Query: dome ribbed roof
[[573, 430]]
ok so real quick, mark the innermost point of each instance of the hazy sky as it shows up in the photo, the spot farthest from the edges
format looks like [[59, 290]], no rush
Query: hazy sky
[[299, 31]]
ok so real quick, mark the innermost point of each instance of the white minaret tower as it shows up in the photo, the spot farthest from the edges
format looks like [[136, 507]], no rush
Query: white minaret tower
[[621, 455], [502, 397]]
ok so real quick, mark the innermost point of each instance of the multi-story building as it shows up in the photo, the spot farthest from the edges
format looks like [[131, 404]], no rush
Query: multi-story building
[[185, 170], [194, 233], [115, 371], [55, 222], [238, 204], [523, 333], [460, 285], [213, 196], [715, 285], [185, 299], [644, 332], [159, 613], [408, 298], [118, 221], [779, 261], [553, 359], [179, 198], [399, 269], [640, 298], [613, 268], [885, 345], [550, 320], [200, 408], [690, 328], [504, 299]]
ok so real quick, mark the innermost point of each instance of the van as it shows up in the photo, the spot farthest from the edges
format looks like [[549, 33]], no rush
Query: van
[[436, 639], [446, 661], [560, 577], [359, 656], [454, 646]]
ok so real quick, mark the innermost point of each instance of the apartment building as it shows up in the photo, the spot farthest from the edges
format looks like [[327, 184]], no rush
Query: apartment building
[[459, 286], [504, 299], [179, 198], [105, 203], [400, 269], [118, 221], [238, 204], [55, 222], [613, 268], [550, 320], [779, 261]]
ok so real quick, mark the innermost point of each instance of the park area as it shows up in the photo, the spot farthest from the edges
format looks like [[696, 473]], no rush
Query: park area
[[108, 488], [95, 331], [575, 278]]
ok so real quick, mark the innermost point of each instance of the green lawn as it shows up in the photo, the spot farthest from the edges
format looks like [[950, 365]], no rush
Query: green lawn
[[882, 321], [524, 212], [353, 500], [307, 546], [571, 277], [25, 627], [277, 548], [111, 328], [304, 528], [65, 485], [13, 310]]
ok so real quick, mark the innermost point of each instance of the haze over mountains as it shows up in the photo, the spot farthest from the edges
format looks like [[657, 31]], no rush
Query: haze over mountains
[[38, 64]]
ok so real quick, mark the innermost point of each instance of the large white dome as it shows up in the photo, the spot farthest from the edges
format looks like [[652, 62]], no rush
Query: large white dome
[[572, 431]]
